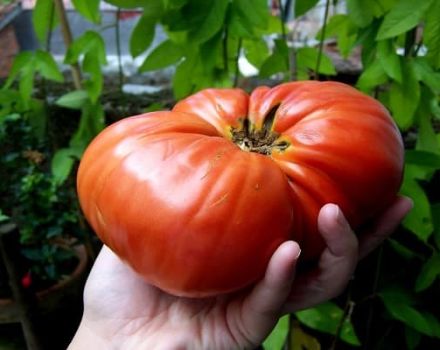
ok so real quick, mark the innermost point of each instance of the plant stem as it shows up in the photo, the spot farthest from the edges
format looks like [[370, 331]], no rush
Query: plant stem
[[237, 68], [346, 314], [118, 49], [67, 37], [283, 32], [375, 286], [410, 39], [321, 41]]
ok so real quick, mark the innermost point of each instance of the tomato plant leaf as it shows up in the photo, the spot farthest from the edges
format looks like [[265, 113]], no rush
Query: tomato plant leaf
[[259, 15], [431, 34], [402, 250], [386, 52], [256, 51], [412, 338], [212, 22], [372, 76], [427, 74], [404, 97], [429, 272], [44, 18], [277, 62], [277, 338], [435, 209], [47, 67], [129, 4], [89, 9], [142, 35], [419, 219], [402, 17], [163, 55], [325, 318], [302, 6], [182, 79], [22, 60], [300, 340], [360, 12], [423, 158], [74, 99], [62, 164], [399, 303], [307, 57]]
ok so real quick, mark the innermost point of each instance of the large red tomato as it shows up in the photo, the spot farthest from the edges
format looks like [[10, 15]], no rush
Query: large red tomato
[[198, 198]]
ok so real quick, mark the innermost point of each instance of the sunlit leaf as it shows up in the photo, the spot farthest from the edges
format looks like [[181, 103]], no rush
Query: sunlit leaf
[[402, 17], [278, 336]]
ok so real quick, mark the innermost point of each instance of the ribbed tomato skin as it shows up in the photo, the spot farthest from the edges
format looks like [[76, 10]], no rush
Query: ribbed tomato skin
[[196, 215]]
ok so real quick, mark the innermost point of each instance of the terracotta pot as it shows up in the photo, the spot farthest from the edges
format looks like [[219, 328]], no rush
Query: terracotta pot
[[49, 299]]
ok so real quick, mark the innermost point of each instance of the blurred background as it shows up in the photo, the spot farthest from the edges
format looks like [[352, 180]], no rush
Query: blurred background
[[69, 68]]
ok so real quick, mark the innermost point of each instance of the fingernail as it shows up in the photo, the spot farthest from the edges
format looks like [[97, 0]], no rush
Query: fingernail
[[337, 214]]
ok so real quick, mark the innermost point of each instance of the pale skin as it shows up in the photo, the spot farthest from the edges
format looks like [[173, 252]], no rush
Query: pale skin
[[122, 311]]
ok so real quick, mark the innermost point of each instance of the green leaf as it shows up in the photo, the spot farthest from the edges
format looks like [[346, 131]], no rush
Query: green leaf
[[402, 17], [90, 41], [360, 12], [212, 22], [259, 15], [129, 4], [94, 84], [431, 34], [412, 338], [183, 78], [302, 6], [423, 158], [419, 219], [307, 58], [62, 164], [372, 76], [22, 60], [341, 27], [47, 67], [435, 209], [75, 99], [256, 51], [427, 137], [404, 97], [44, 18], [389, 59], [300, 340], [164, 55], [427, 74], [38, 118], [142, 35], [277, 62], [90, 124], [429, 272], [325, 318], [399, 304], [277, 338], [89, 9], [402, 250]]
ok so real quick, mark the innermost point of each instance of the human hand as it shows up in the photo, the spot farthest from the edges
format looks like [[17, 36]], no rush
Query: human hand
[[122, 311], [344, 250]]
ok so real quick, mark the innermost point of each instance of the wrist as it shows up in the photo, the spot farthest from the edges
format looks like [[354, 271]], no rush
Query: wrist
[[97, 337]]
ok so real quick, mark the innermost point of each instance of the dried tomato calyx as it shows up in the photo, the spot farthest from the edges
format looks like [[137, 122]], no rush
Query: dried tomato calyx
[[263, 140]]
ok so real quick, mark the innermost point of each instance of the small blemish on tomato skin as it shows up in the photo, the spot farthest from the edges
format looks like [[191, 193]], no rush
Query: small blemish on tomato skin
[[257, 187]]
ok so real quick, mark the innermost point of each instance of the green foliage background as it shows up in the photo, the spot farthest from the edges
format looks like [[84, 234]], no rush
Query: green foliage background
[[400, 55]]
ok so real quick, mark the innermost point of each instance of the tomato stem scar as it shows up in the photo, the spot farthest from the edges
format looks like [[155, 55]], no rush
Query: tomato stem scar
[[263, 140]]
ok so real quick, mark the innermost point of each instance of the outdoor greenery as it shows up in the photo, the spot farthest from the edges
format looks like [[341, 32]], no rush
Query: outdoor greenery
[[389, 303]]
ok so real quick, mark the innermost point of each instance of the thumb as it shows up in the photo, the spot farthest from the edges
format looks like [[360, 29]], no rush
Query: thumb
[[262, 307]]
